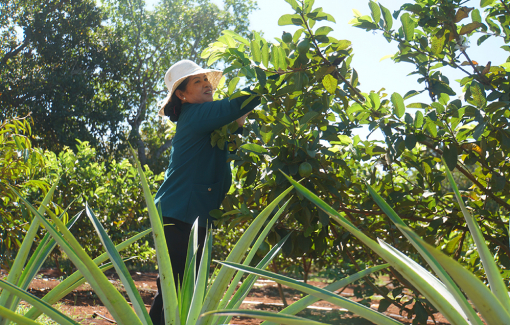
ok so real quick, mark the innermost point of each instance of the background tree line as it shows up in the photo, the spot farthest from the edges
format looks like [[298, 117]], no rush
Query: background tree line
[[94, 72]]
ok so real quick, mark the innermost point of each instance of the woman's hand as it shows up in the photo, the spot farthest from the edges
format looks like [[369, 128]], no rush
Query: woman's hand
[[240, 121]]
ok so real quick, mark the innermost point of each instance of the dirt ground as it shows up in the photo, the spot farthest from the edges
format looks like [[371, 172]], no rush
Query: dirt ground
[[84, 306]]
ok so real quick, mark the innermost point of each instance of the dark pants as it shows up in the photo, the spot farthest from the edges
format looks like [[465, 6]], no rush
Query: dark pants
[[177, 237]]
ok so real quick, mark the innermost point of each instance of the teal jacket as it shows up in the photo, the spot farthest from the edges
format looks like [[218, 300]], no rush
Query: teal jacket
[[198, 175]]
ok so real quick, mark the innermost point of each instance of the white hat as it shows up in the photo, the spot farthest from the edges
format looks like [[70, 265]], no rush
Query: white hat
[[179, 72]]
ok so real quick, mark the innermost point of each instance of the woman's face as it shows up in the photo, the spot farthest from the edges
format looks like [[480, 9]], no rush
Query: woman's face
[[198, 90]]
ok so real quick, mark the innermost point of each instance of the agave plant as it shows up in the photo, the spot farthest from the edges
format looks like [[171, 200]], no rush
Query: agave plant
[[198, 294], [447, 292]]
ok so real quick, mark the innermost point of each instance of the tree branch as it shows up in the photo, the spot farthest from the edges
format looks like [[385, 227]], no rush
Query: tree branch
[[166, 145], [326, 61], [504, 5], [15, 52]]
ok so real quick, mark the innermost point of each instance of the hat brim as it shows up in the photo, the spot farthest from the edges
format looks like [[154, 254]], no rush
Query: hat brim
[[213, 76]]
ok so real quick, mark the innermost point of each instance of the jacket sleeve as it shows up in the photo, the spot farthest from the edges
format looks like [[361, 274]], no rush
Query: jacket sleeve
[[209, 116]]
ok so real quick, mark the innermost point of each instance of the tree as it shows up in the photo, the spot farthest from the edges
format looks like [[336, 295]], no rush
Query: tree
[[154, 40], [59, 62], [309, 113], [19, 163]]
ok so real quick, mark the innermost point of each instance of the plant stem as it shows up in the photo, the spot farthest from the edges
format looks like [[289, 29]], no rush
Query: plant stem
[[504, 5], [280, 288]]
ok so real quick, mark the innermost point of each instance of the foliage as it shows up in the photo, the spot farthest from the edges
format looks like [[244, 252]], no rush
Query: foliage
[[310, 112], [444, 292], [83, 178], [472, 136], [19, 163], [113, 191], [197, 295], [61, 63]]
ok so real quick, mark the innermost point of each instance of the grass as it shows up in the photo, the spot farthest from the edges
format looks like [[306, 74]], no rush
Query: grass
[[43, 319]]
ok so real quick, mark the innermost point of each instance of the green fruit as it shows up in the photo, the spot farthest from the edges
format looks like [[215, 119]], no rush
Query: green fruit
[[303, 46], [286, 37], [292, 46], [305, 169]]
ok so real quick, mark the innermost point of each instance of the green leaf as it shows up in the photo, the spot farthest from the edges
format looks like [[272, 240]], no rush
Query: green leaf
[[222, 281], [408, 25], [418, 119], [120, 267], [282, 58], [308, 117], [492, 310], [23, 252], [485, 3], [309, 300], [388, 19], [343, 140], [432, 128], [267, 316], [247, 101], [450, 156], [330, 83], [76, 279], [232, 85], [475, 16], [261, 77], [399, 108], [254, 148], [496, 283], [478, 94], [293, 3], [437, 44], [376, 11], [169, 291], [410, 141], [418, 105], [255, 51], [324, 30], [16, 318], [288, 19], [265, 55], [275, 57], [386, 57], [56, 315], [447, 289], [108, 294], [321, 293], [414, 275], [239, 297], [236, 36], [375, 100]]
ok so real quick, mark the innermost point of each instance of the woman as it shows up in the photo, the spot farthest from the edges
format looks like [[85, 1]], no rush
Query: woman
[[198, 176]]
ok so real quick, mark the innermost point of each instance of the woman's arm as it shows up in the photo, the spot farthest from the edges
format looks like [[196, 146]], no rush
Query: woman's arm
[[209, 116]]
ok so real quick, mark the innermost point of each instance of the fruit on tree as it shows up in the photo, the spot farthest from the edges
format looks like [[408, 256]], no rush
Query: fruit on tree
[[303, 46], [286, 37], [305, 169]]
